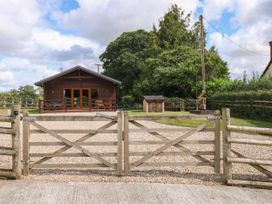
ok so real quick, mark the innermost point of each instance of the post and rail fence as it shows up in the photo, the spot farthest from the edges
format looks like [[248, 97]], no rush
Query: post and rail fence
[[10, 143], [25, 103], [232, 156]]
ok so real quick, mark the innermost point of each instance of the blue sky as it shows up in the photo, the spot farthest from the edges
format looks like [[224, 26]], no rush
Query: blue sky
[[38, 37]]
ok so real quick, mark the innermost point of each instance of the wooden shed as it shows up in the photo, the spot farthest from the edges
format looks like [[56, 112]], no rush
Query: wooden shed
[[78, 89], [153, 103]]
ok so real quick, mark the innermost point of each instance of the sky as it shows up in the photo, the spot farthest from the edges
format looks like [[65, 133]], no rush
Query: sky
[[38, 38]]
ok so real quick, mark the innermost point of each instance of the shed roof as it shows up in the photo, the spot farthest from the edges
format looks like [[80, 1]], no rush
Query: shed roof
[[154, 98], [78, 67]]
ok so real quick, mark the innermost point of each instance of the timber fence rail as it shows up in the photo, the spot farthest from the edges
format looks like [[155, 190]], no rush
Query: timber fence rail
[[32, 126], [12, 134], [26, 103], [232, 156]]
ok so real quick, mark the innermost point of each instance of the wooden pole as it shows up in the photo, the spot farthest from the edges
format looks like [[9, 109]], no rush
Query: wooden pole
[[16, 143], [4, 103], [119, 142], [26, 135], [126, 143], [227, 171], [202, 44], [217, 143]]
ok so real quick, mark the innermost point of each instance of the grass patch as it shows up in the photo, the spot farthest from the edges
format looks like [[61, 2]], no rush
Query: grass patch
[[31, 111], [195, 123], [166, 113], [251, 122], [234, 121], [185, 123]]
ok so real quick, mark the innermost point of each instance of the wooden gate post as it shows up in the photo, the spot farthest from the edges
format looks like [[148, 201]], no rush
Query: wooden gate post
[[126, 143], [217, 142], [16, 143], [119, 142], [26, 131], [227, 166]]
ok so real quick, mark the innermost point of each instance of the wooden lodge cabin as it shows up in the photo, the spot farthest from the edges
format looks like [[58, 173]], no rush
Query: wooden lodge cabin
[[78, 89]]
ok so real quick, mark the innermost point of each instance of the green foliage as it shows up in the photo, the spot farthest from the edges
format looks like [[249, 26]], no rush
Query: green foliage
[[254, 95], [246, 98], [124, 57], [178, 72], [164, 61], [173, 28], [127, 101], [23, 92], [27, 91]]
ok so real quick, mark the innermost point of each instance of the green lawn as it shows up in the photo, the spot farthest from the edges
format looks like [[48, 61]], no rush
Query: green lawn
[[195, 123], [31, 111], [166, 113], [234, 121]]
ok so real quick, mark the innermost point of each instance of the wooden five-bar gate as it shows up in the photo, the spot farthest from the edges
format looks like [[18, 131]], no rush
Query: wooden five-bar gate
[[32, 126], [170, 142], [122, 143]]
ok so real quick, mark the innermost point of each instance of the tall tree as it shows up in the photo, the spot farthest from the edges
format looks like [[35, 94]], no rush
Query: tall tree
[[173, 28], [164, 61], [27, 91], [125, 57]]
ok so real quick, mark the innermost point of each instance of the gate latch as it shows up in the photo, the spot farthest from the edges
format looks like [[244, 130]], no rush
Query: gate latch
[[214, 117]]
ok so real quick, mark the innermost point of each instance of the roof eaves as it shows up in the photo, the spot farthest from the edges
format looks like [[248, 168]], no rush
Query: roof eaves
[[78, 67]]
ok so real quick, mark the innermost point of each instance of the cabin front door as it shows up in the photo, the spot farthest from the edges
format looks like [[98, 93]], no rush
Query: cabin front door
[[77, 98]]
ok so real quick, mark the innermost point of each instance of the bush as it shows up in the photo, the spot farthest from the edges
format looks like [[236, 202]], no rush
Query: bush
[[127, 101], [252, 104]]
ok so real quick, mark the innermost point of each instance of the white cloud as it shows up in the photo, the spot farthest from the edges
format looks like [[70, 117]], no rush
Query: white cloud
[[15, 72], [104, 20], [17, 19], [57, 41], [213, 9], [247, 48], [5, 76]]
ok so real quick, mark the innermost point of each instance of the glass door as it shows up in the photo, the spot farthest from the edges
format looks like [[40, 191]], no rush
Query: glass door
[[85, 98], [68, 98], [76, 99], [94, 98]]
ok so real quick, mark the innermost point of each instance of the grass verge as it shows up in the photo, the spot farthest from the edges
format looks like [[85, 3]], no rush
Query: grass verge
[[234, 121]]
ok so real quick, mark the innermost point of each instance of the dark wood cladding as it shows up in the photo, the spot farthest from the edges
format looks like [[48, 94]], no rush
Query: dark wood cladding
[[78, 79]]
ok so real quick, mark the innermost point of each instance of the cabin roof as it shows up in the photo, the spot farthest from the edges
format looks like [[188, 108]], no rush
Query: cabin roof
[[78, 67], [154, 98]]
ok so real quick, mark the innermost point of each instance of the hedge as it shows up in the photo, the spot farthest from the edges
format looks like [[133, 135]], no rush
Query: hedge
[[251, 104]]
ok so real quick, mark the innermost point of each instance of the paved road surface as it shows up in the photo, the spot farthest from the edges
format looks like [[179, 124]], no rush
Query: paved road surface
[[21, 192]]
